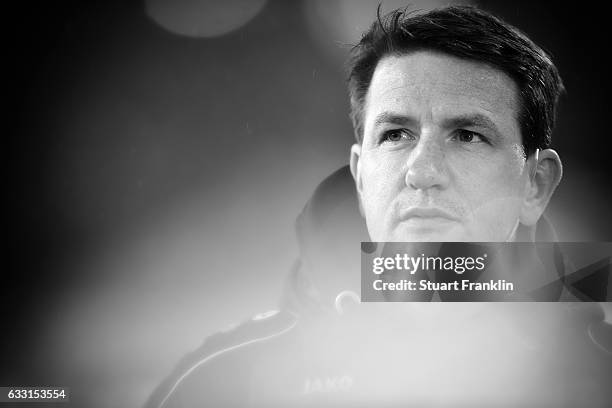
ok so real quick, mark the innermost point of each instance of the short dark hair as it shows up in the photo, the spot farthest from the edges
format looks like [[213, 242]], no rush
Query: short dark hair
[[470, 33]]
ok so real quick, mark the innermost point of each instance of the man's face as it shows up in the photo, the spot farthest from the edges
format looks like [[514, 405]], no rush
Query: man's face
[[442, 156]]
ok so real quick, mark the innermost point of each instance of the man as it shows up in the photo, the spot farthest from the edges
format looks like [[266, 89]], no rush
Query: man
[[453, 113], [453, 135]]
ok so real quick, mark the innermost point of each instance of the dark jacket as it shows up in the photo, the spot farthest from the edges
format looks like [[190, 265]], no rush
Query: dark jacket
[[317, 351]]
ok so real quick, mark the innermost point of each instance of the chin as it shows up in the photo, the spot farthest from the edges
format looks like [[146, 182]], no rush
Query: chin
[[407, 234]]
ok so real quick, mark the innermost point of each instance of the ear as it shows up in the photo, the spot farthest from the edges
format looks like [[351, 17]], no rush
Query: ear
[[546, 172], [355, 166]]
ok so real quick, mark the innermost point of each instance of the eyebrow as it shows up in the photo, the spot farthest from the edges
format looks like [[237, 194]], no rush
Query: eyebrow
[[394, 118], [468, 120], [471, 120]]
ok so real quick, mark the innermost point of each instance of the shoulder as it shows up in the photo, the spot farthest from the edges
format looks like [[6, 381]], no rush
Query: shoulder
[[221, 364]]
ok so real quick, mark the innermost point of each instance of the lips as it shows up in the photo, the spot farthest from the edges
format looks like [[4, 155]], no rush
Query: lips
[[426, 214]]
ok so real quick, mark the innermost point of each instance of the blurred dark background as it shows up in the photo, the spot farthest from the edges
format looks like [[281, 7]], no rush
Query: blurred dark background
[[157, 153]]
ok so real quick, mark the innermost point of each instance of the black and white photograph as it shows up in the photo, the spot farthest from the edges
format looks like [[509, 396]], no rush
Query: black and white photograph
[[307, 203]]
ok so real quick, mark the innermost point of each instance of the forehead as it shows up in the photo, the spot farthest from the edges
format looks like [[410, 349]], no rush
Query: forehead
[[434, 85]]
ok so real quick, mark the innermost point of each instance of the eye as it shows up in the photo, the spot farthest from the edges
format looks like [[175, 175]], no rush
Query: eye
[[396, 135], [467, 136]]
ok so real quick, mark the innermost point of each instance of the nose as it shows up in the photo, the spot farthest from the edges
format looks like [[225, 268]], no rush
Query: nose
[[426, 167]]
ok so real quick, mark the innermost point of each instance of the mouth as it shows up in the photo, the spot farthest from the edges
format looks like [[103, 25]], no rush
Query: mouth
[[426, 217]]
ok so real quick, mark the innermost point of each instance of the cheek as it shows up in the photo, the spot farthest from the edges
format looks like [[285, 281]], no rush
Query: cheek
[[494, 194], [497, 178], [382, 180], [494, 220], [382, 183], [497, 213]]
